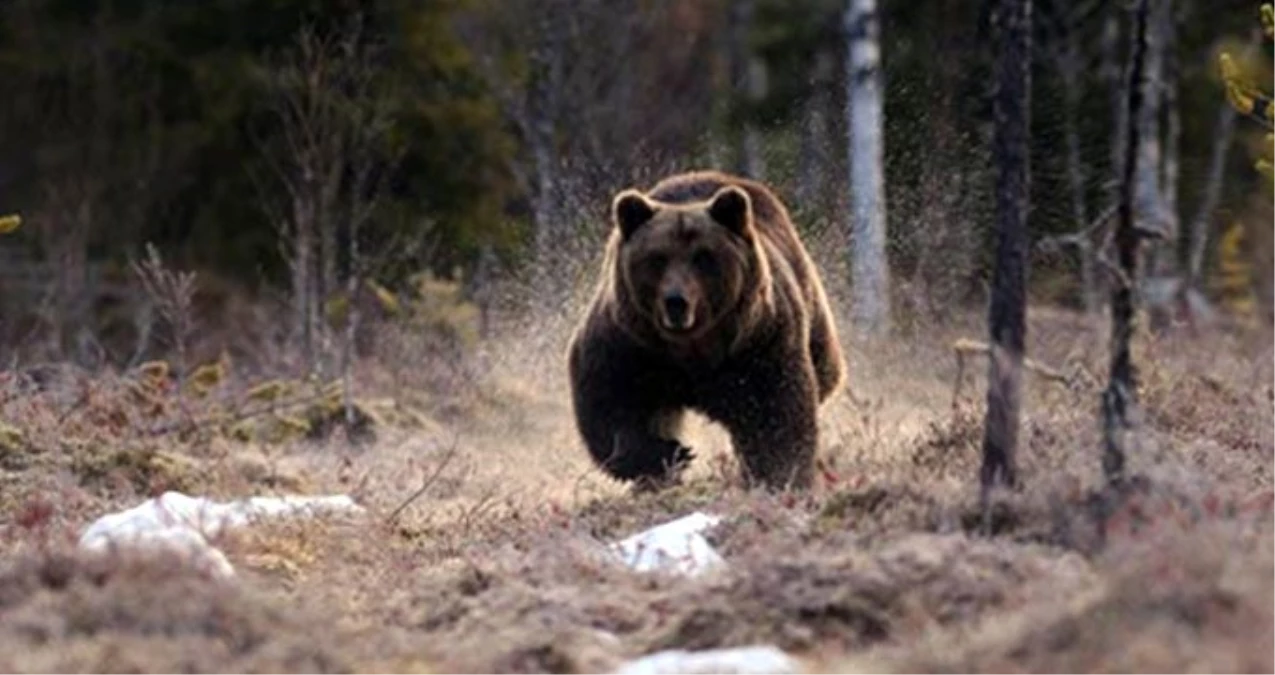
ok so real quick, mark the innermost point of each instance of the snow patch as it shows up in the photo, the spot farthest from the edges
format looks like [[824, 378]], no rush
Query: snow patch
[[755, 659], [182, 524], [678, 546]]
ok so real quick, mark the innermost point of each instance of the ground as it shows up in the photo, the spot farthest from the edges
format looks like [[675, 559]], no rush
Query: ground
[[476, 551]]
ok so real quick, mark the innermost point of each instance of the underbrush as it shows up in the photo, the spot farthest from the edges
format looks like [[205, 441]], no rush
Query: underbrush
[[481, 548]]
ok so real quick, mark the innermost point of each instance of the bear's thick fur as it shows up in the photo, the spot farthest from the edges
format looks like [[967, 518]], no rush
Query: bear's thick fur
[[707, 301]]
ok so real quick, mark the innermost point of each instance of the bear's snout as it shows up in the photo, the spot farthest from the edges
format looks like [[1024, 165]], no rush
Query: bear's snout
[[676, 312]]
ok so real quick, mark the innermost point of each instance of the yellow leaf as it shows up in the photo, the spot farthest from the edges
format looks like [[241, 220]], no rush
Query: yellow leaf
[[10, 223], [1266, 169], [272, 390], [154, 370], [1227, 64], [206, 377], [389, 301]]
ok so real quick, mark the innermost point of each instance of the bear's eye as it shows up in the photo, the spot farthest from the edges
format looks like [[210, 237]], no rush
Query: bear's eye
[[704, 262]]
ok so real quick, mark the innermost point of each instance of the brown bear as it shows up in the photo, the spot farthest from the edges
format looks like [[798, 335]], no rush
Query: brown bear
[[707, 301]]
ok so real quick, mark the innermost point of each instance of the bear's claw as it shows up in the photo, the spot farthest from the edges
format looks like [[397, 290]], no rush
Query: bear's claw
[[656, 458], [664, 468]]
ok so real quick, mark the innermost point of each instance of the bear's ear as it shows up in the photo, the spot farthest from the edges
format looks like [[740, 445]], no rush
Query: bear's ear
[[732, 208], [631, 210]]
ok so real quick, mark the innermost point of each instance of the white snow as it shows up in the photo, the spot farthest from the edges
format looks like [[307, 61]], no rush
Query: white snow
[[755, 659], [677, 546], [186, 525]]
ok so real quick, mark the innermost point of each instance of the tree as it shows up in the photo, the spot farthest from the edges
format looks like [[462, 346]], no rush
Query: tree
[[1242, 97], [812, 164], [543, 114], [1011, 106], [88, 155], [1120, 395], [334, 123], [552, 68], [1151, 203], [1063, 30], [748, 84], [869, 267]]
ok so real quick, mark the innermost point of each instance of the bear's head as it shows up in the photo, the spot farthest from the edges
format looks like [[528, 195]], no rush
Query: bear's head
[[685, 266]]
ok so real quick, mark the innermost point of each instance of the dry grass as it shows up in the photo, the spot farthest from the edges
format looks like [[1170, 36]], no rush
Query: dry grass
[[490, 563]]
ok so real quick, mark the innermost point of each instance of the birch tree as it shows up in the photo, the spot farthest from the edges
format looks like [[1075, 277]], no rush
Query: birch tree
[[334, 126], [303, 82], [1011, 110], [869, 267], [1150, 207], [1200, 225]]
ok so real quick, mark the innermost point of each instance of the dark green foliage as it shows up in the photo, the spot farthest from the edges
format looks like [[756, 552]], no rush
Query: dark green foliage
[[156, 116], [145, 121]]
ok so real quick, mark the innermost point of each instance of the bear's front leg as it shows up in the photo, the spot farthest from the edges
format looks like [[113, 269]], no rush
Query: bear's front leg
[[628, 435], [774, 426]]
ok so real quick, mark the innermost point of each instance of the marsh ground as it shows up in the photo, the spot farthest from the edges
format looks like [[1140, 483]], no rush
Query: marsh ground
[[491, 567]]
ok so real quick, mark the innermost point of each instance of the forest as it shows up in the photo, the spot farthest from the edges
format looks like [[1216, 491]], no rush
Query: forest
[[250, 140], [339, 248]]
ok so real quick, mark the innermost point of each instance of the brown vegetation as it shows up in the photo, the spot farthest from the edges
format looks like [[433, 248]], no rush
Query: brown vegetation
[[490, 562]]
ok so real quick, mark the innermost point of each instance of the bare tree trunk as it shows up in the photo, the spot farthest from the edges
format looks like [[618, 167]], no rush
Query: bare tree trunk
[[543, 110], [869, 267], [811, 161], [1114, 74], [1149, 209], [1007, 316], [1201, 225], [1069, 66], [483, 291], [1120, 397], [366, 161], [301, 259], [316, 95], [1172, 147], [83, 194], [65, 242], [719, 135], [748, 84], [352, 283], [326, 279], [754, 158], [1164, 258]]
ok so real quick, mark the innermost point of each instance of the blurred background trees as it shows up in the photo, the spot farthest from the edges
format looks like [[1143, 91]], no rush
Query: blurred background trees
[[480, 140]]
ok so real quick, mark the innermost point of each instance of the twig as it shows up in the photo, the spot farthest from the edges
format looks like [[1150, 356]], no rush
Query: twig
[[1079, 237], [471, 515], [80, 401], [1115, 270], [426, 484], [965, 346], [173, 295], [968, 346]]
